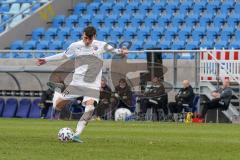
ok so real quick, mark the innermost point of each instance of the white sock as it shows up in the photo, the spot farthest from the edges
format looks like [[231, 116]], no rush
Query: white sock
[[55, 97], [84, 119]]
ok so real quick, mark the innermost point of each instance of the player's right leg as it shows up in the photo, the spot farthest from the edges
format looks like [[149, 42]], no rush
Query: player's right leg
[[59, 102]]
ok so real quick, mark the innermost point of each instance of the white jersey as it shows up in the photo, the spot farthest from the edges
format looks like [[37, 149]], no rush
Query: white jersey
[[78, 49]]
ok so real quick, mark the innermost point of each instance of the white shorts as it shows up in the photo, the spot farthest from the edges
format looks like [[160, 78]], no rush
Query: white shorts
[[73, 94]]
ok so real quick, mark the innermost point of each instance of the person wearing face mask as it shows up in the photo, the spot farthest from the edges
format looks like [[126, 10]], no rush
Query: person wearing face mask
[[183, 99], [221, 98]]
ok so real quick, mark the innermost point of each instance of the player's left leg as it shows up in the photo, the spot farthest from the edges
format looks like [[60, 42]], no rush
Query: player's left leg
[[86, 117]]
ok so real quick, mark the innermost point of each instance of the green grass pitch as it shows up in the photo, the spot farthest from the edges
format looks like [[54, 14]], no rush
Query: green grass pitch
[[27, 139]]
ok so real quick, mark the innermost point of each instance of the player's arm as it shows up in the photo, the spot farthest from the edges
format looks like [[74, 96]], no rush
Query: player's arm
[[56, 57], [108, 48], [69, 53]]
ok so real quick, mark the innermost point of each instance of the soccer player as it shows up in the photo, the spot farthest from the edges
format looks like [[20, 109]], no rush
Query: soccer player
[[86, 81]]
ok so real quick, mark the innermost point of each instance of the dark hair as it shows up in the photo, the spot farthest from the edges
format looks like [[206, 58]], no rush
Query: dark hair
[[90, 31]]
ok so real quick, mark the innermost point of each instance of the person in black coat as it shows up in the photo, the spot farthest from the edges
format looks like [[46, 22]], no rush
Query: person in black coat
[[183, 99], [104, 107], [45, 97], [221, 98]]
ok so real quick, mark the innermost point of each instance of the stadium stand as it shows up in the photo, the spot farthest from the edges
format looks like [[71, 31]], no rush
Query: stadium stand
[[23, 109], [35, 109], [10, 108], [13, 12]]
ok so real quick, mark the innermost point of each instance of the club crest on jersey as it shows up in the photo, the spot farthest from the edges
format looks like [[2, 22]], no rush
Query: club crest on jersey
[[95, 48]]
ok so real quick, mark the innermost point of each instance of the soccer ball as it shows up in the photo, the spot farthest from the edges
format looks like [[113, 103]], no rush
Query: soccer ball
[[65, 134], [122, 114]]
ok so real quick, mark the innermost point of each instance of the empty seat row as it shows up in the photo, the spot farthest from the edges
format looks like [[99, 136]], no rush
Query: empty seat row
[[25, 108]]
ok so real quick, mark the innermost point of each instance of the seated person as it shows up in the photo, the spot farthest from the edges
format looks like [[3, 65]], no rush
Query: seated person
[[221, 98], [184, 99], [104, 108], [123, 95], [45, 104], [154, 97]]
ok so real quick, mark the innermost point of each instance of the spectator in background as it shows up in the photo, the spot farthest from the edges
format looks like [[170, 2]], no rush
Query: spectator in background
[[104, 108], [184, 99], [221, 98], [154, 97], [46, 97], [123, 94]]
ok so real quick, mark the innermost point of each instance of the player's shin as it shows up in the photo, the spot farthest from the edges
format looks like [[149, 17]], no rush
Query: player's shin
[[86, 117]]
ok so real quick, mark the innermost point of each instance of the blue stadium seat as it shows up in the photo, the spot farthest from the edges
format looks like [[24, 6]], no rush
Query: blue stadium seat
[[158, 8], [35, 7], [165, 44], [43, 45], [179, 44], [106, 8], [16, 45], [111, 20], [2, 104], [50, 34], [218, 21], [234, 45], [141, 56], [10, 108], [198, 8], [97, 21], [207, 44], [150, 44], [23, 108], [145, 8], [38, 33], [80, 8], [132, 56], [35, 109], [151, 21], [55, 45], [191, 21], [221, 45], [232, 21], [117, 33], [177, 21], [76, 34], [185, 7], [30, 45], [63, 33], [92, 8], [4, 8], [132, 8], [192, 45], [204, 21], [84, 21], [71, 21], [119, 8], [22, 55], [183, 35], [66, 44]]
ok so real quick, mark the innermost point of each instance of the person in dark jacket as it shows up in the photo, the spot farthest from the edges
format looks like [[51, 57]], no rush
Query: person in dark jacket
[[104, 108], [154, 97], [184, 99], [45, 97], [221, 98], [123, 94]]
